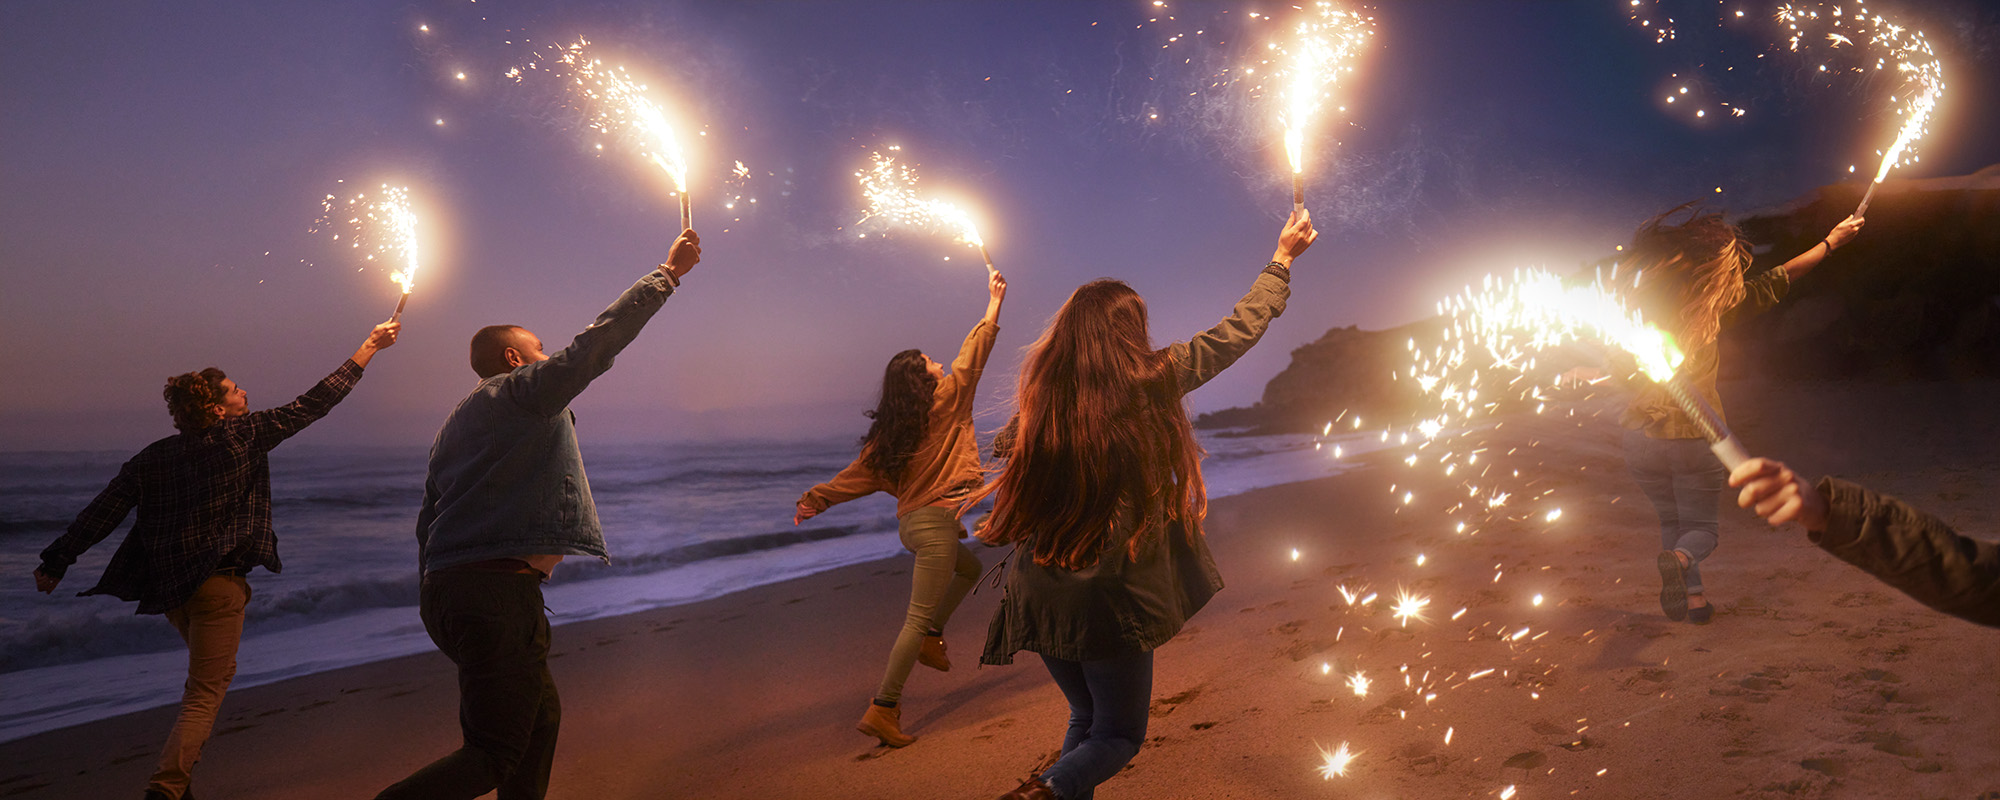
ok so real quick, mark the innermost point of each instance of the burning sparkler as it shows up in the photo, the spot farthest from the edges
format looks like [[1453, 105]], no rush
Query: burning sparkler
[[891, 189], [1325, 45], [618, 103], [385, 225], [1922, 71]]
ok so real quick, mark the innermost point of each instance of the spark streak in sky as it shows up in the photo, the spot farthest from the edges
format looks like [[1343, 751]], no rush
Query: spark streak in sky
[[891, 190], [619, 105], [1323, 47], [1919, 67], [382, 224]]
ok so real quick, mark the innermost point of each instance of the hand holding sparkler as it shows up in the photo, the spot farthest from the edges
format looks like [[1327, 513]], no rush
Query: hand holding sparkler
[[996, 288], [685, 254], [1841, 233], [382, 337], [1297, 235], [1778, 494]]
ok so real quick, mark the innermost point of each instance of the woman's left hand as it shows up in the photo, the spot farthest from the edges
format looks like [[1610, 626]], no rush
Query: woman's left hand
[[1844, 231]]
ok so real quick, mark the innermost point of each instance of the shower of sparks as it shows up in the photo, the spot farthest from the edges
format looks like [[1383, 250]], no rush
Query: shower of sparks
[[1323, 47], [1335, 762], [381, 224], [891, 190], [617, 105], [1358, 682], [1889, 45]]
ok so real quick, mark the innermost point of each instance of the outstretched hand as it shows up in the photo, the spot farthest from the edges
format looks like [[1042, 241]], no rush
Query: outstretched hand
[[1295, 238], [1844, 231], [805, 512], [44, 582], [685, 254], [1777, 494], [384, 335]]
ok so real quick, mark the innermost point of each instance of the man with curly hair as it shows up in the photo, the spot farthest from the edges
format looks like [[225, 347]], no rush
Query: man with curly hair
[[204, 501]]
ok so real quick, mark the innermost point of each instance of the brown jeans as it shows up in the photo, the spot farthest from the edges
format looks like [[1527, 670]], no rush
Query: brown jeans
[[211, 622]]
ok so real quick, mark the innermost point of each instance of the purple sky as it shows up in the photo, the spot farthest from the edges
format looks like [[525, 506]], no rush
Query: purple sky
[[162, 166]]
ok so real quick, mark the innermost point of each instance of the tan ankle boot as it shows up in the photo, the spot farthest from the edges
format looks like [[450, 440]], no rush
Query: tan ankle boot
[[932, 655], [884, 724]]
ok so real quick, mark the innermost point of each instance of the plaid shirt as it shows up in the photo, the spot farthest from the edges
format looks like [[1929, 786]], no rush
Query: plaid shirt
[[202, 496]]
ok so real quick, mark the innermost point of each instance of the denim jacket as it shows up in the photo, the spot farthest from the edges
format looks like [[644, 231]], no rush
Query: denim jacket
[[505, 477]]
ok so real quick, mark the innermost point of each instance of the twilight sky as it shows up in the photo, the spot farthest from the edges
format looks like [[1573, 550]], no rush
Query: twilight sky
[[162, 165]]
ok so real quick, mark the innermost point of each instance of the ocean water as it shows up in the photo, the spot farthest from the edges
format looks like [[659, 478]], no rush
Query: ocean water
[[685, 522]]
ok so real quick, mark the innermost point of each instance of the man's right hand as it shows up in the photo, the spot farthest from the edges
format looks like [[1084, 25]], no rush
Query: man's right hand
[[685, 254], [1778, 494], [44, 582], [1295, 238]]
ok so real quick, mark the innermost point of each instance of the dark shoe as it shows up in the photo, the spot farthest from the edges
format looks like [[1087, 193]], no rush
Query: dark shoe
[[1673, 585], [1031, 789], [1700, 615], [884, 723], [932, 654], [155, 794]]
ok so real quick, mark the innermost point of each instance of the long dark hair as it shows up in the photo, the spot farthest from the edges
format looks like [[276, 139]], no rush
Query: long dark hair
[[1103, 435], [902, 415], [1691, 273]]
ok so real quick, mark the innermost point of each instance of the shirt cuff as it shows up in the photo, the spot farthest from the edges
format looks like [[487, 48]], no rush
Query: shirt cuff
[[1281, 271]]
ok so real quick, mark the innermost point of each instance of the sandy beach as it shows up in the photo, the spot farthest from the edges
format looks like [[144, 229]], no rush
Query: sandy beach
[[1813, 681]]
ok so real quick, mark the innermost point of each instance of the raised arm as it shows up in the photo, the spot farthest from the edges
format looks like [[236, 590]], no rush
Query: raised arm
[[274, 425], [96, 521], [1210, 352], [854, 481], [1804, 262], [970, 364], [546, 387]]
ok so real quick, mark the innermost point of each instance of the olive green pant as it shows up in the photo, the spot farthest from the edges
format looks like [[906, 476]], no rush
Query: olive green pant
[[946, 569], [211, 623]]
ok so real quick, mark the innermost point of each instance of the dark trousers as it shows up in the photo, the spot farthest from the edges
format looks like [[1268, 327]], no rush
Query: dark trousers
[[491, 625], [1108, 701]]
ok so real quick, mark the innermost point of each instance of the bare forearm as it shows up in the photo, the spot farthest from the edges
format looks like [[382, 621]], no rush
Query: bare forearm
[[1804, 262]]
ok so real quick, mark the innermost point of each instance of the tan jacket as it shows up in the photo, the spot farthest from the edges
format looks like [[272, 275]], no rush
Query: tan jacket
[[946, 466]]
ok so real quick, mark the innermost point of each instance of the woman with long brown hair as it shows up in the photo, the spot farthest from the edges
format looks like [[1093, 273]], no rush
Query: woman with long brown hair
[[921, 449], [1692, 280], [1102, 499]]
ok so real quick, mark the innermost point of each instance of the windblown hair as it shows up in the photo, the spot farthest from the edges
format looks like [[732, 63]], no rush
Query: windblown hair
[[902, 415], [1691, 273], [1103, 439], [489, 350], [190, 397]]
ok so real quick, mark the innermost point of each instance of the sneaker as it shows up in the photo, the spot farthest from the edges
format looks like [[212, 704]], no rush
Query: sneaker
[[1700, 615], [1673, 585]]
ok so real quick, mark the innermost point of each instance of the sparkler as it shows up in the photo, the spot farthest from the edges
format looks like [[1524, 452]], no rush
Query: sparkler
[[386, 226], [891, 189], [1326, 42], [1908, 49], [620, 104]]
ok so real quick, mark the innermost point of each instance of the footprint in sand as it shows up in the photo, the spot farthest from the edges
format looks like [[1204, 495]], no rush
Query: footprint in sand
[[1859, 599], [1166, 705], [1888, 742]]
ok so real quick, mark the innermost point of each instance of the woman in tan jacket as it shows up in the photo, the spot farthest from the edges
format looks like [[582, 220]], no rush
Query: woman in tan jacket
[[921, 449]]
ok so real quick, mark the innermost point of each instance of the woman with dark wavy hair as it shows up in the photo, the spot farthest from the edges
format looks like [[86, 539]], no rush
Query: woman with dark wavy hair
[[921, 449], [1102, 499], [1694, 281]]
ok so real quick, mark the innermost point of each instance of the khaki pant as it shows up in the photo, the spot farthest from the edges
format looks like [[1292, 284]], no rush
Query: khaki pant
[[946, 569], [211, 622]]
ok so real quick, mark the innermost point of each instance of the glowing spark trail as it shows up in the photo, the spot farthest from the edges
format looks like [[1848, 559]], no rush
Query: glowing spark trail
[[1918, 65], [1325, 45], [891, 190], [386, 226], [617, 103]]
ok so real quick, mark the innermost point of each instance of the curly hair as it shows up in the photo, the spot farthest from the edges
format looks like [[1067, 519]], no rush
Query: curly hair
[[1691, 273], [1103, 434], [902, 415], [191, 396]]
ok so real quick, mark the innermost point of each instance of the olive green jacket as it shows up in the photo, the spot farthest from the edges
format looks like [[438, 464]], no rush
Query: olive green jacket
[[1912, 551], [1131, 604]]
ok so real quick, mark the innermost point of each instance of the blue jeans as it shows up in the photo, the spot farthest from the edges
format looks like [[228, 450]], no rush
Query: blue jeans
[[1108, 702], [1684, 480]]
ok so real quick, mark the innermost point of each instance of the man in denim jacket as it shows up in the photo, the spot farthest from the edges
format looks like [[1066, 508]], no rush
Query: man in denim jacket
[[505, 499]]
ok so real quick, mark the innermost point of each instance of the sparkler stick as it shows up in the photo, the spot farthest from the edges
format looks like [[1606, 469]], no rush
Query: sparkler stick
[[1721, 440], [891, 190], [1327, 41]]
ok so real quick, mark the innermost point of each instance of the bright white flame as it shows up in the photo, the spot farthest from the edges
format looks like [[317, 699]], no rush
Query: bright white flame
[[1336, 761]]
